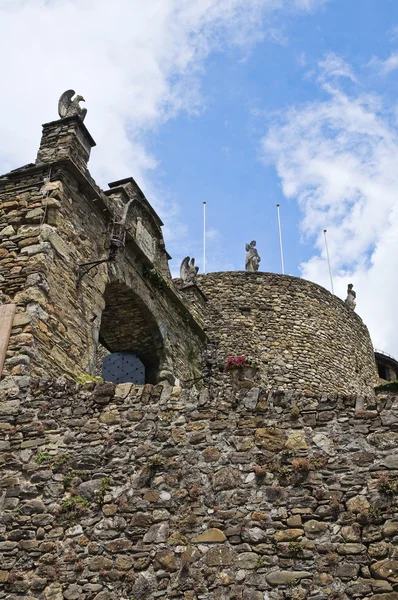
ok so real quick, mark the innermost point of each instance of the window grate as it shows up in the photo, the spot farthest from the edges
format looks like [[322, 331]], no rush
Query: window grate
[[123, 367]]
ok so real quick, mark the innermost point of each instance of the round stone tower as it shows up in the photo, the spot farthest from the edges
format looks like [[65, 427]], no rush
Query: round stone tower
[[299, 335]]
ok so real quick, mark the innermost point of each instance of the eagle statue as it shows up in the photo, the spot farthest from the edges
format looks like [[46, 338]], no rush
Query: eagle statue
[[188, 271], [70, 108]]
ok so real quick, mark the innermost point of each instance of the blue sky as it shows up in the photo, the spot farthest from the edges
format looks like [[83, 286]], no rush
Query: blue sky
[[216, 155], [240, 104]]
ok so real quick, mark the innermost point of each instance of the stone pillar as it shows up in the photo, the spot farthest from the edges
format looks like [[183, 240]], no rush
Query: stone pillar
[[66, 138]]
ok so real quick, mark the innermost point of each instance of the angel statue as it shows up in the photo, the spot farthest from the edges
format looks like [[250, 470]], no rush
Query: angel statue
[[188, 271], [70, 108], [252, 257], [351, 295]]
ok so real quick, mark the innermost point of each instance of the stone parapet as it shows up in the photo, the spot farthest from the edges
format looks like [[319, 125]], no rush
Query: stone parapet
[[161, 492]]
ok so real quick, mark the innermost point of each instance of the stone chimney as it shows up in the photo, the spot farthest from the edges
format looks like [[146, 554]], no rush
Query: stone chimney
[[66, 138]]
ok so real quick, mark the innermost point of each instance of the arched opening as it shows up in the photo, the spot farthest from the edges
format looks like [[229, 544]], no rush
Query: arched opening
[[382, 371], [387, 366], [130, 334]]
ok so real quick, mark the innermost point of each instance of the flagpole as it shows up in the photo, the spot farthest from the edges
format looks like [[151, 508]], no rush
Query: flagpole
[[280, 239], [204, 237], [327, 255]]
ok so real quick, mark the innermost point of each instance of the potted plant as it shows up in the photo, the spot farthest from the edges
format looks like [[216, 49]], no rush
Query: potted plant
[[240, 368]]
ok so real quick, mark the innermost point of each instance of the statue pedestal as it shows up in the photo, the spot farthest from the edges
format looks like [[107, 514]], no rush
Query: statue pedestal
[[66, 138]]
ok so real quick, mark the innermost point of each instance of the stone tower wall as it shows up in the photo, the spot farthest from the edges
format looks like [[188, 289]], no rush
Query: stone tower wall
[[54, 218], [151, 493], [300, 336]]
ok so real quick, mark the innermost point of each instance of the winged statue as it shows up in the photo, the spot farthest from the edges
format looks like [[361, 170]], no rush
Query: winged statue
[[188, 271], [69, 108]]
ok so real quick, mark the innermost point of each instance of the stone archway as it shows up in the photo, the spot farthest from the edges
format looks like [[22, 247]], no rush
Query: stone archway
[[127, 325]]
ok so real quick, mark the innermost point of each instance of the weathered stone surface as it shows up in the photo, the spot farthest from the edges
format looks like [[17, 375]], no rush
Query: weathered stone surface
[[252, 398], [351, 548], [119, 545], [167, 560], [73, 592], [142, 588], [157, 533], [247, 560], [189, 519], [351, 533], [34, 215], [110, 417], [288, 535], [384, 441], [270, 438], [390, 528], [226, 478], [296, 440], [386, 569], [210, 536], [219, 556], [100, 563], [89, 489], [285, 577], [314, 529], [387, 596], [347, 571], [324, 443], [10, 407], [53, 592], [211, 454], [254, 535], [105, 596], [358, 504]]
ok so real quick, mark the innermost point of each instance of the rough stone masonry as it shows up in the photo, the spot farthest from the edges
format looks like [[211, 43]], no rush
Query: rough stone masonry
[[159, 492], [279, 486]]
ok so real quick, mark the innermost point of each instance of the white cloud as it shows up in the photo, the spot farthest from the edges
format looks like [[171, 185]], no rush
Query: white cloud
[[136, 63], [213, 235], [334, 66], [392, 33], [338, 159], [385, 66]]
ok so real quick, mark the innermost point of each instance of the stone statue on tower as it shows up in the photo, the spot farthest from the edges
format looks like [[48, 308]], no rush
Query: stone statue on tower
[[252, 257]]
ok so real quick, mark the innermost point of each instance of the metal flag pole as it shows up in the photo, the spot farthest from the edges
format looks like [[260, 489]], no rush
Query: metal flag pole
[[204, 237], [280, 239], [327, 255]]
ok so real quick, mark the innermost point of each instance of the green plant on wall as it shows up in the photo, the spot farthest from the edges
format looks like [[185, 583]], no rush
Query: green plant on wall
[[391, 386], [56, 462], [87, 378], [105, 486], [154, 277], [70, 507]]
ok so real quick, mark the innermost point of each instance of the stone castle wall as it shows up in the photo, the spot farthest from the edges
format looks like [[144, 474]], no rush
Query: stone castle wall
[[300, 336], [54, 218], [156, 492]]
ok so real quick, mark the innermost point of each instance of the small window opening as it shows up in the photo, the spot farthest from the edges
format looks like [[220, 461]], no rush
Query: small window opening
[[245, 311]]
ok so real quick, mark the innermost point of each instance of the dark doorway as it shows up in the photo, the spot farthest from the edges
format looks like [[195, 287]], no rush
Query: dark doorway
[[129, 329], [382, 371], [123, 367]]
